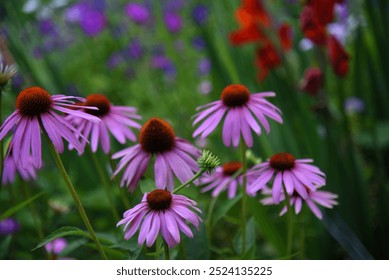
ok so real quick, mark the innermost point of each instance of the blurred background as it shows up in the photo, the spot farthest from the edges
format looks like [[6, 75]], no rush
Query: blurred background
[[168, 57]]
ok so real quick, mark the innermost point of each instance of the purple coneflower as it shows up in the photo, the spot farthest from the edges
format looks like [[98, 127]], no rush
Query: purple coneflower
[[161, 212], [36, 107], [173, 155], [243, 112], [223, 179], [323, 198], [115, 119], [26, 169], [297, 175]]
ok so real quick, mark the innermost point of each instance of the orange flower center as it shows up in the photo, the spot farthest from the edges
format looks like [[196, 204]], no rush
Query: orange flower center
[[156, 136], [282, 161], [100, 101], [33, 101], [231, 167], [235, 95], [159, 200]]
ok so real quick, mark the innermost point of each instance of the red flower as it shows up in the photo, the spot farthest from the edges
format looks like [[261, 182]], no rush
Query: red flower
[[313, 81], [311, 26], [267, 59], [323, 9], [247, 34], [339, 58], [286, 35]]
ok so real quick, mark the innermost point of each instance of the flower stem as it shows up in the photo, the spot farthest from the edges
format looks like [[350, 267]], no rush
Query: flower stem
[[244, 196], [302, 237], [76, 199], [106, 185], [289, 242], [197, 175], [208, 223], [166, 250], [122, 191], [1, 141]]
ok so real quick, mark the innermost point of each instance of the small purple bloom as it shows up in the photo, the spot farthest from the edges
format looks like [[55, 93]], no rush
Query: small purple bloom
[[135, 49], [173, 22], [198, 43], [93, 23], [354, 104], [56, 246], [75, 12], [138, 13], [9, 226], [205, 87], [114, 60], [200, 14], [47, 27], [160, 62], [204, 66]]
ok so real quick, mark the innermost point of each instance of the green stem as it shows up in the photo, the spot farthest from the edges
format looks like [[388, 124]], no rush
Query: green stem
[[1, 141], [123, 192], [106, 185], [197, 175], [244, 197], [208, 223], [166, 250], [75, 196], [302, 237], [289, 242]]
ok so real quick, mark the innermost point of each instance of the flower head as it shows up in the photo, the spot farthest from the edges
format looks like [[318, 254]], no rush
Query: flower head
[[323, 198], [36, 110], [226, 177], [93, 22], [56, 246], [297, 175], [161, 212], [6, 73], [138, 12], [118, 120], [208, 161], [173, 156], [242, 112], [339, 58], [9, 226], [313, 81]]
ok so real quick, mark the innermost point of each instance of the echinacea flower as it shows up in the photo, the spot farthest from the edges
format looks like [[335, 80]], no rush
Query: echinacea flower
[[173, 156], [243, 111], [26, 170], [6, 73], [297, 175], [36, 110], [118, 120], [223, 179], [161, 212], [323, 198]]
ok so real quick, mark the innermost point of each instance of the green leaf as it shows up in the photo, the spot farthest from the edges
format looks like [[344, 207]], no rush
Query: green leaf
[[20, 206], [147, 185], [197, 248], [64, 231], [250, 240], [225, 207]]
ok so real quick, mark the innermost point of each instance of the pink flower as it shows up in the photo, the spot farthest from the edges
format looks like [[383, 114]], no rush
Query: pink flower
[[297, 175], [173, 156], [36, 110], [161, 212], [325, 199], [243, 111], [222, 179], [26, 169], [56, 246], [118, 120]]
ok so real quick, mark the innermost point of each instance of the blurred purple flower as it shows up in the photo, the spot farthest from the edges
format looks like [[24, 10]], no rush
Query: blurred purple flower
[[75, 12], [198, 43], [173, 22], [114, 60], [138, 12], [205, 87], [93, 22], [204, 66], [9, 226], [174, 5], [56, 246], [134, 49], [160, 62], [47, 27], [200, 14], [98, 5], [354, 104]]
